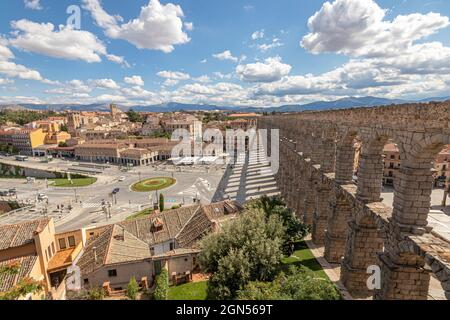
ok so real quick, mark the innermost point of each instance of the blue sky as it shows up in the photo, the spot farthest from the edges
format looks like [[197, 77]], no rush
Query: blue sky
[[257, 53]]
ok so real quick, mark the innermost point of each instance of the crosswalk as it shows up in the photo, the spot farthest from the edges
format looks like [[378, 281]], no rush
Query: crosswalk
[[197, 188], [87, 205]]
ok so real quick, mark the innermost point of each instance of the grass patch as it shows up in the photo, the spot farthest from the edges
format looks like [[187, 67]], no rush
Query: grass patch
[[153, 184], [302, 256], [76, 183], [189, 291], [141, 214]]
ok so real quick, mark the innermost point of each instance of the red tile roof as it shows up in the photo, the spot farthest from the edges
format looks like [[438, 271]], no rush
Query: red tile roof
[[17, 235]]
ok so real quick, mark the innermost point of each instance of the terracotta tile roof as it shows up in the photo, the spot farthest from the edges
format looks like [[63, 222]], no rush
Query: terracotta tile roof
[[173, 221], [131, 240], [17, 235], [7, 281], [95, 253], [114, 245], [126, 247], [203, 221]]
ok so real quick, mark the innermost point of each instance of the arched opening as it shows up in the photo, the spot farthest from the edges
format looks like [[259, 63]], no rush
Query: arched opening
[[373, 167], [418, 208], [348, 150]]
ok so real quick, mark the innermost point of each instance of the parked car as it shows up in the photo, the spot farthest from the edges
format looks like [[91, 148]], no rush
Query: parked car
[[116, 190], [122, 178], [42, 197]]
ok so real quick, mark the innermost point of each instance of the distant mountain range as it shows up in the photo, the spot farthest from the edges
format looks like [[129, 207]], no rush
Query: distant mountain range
[[350, 102]]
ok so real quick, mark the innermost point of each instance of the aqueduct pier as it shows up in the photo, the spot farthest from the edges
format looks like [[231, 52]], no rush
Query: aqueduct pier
[[315, 177]]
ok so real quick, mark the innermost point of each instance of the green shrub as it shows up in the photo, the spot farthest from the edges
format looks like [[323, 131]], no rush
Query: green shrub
[[132, 289], [162, 286], [97, 294]]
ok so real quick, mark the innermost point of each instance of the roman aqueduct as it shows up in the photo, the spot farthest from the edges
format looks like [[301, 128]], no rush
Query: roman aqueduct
[[315, 178]]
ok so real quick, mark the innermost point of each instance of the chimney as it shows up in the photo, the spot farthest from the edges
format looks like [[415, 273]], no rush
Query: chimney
[[94, 249]]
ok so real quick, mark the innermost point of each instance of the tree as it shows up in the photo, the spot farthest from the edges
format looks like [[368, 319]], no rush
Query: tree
[[295, 230], [161, 202], [162, 286], [296, 284], [248, 249], [25, 286], [134, 116], [62, 145], [132, 289]]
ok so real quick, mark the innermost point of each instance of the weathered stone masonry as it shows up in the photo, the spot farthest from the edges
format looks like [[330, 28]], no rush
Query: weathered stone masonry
[[348, 218]]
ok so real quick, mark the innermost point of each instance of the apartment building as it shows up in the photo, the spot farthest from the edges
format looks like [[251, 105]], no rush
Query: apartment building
[[392, 165], [41, 254], [24, 140]]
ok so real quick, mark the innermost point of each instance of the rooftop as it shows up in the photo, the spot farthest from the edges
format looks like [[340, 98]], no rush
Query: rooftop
[[17, 235], [7, 281]]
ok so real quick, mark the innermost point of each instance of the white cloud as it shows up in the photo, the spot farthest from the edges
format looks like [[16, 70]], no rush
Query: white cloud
[[226, 55], [6, 81], [105, 84], [137, 93], [33, 4], [189, 26], [272, 69], [118, 59], [173, 75], [171, 82], [12, 69], [158, 27], [258, 34], [204, 61], [203, 79], [358, 28], [65, 42], [70, 88], [267, 46], [134, 80]]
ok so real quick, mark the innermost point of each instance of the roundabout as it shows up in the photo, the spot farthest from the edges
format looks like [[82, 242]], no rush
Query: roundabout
[[153, 184]]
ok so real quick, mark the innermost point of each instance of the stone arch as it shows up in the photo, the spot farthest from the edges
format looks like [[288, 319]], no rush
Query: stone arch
[[371, 167]]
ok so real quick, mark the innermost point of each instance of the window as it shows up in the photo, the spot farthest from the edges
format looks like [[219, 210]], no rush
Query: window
[[152, 251], [62, 243], [112, 273], [392, 156], [86, 281], [171, 246], [71, 241], [53, 248], [49, 252]]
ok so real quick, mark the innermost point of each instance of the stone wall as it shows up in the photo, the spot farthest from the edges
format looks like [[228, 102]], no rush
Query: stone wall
[[347, 217]]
